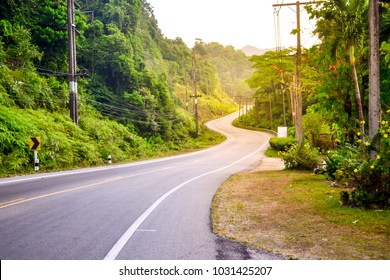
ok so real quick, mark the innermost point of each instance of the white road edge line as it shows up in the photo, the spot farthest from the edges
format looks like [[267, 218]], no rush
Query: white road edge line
[[114, 252], [18, 179], [6, 181]]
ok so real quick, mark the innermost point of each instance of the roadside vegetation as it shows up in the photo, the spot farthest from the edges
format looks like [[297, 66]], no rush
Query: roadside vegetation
[[299, 215], [134, 86], [343, 211], [136, 101], [66, 146], [346, 112]]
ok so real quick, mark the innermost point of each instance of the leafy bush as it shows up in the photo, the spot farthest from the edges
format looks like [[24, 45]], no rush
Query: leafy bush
[[282, 143], [317, 130], [344, 198], [301, 157], [369, 176], [334, 161]]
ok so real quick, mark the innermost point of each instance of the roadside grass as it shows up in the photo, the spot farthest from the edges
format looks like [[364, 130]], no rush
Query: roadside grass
[[298, 215], [272, 153]]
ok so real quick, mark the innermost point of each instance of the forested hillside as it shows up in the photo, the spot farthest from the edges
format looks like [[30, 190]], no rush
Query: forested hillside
[[134, 85]]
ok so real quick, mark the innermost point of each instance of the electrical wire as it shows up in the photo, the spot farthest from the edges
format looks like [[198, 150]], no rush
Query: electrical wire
[[48, 72], [114, 105], [146, 116], [130, 108]]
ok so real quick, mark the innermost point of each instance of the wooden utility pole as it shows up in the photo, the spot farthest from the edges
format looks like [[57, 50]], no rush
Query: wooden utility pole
[[374, 74], [73, 96], [297, 89]]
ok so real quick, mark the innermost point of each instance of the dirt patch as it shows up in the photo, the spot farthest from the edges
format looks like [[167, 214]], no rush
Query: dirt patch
[[268, 163]]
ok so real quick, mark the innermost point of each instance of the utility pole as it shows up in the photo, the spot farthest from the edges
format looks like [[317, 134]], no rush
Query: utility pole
[[186, 95], [207, 90], [73, 96], [195, 96], [297, 115], [374, 75]]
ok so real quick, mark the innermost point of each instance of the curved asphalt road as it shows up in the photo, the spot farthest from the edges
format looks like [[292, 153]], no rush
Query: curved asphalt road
[[157, 209]]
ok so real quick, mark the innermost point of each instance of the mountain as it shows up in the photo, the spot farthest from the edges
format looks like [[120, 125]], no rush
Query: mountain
[[251, 50]]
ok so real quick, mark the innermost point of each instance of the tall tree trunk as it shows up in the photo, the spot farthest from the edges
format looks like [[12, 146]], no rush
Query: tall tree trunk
[[270, 102], [284, 109], [298, 101], [357, 89], [374, 74]]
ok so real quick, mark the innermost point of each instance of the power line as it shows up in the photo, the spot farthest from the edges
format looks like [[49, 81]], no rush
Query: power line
[[138, 111]]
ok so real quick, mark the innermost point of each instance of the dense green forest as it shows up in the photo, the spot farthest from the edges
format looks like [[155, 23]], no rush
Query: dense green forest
[[337, 94], [134, 85]]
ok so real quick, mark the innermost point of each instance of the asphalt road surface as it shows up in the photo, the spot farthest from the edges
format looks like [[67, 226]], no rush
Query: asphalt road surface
[[156, 209]]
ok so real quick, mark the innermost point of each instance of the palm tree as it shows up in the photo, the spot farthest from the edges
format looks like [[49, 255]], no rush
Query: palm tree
[[343, 24]]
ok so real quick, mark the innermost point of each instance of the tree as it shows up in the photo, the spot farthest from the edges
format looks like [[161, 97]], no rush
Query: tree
[[342, 25], [18, 50], [273, 70]]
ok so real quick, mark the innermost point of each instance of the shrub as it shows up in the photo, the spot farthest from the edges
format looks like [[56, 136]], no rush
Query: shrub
[[301, 157], [282, 143], [344, 198], [334, 163], [369, 176]]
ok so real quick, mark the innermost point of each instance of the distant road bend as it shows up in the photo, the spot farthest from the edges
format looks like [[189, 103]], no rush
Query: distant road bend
[[155, 209]]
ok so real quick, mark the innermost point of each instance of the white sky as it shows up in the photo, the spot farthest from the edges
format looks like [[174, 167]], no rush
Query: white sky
[[230, 22]]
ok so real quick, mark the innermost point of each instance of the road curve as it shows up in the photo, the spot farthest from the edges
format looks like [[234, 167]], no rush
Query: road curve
[[156, 209]]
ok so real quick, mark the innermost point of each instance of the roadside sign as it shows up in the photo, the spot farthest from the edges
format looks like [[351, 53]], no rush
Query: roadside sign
[[35, 143]]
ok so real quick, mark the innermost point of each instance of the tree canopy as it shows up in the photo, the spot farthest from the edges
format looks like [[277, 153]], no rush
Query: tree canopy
[[135, 75]]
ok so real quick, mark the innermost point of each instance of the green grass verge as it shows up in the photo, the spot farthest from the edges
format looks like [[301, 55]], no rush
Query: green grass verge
[[272, 153], [240, 124], [298, 215]]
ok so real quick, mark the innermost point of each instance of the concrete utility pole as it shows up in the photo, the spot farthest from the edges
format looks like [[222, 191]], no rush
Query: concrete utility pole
[[374, 74], [297, 113], [195, 96], [73, 96]]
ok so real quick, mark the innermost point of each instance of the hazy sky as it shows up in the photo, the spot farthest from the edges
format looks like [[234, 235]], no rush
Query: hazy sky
[[230, 22]]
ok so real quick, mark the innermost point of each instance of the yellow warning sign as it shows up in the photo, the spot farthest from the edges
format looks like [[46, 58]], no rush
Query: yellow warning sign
[[35, 143]]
